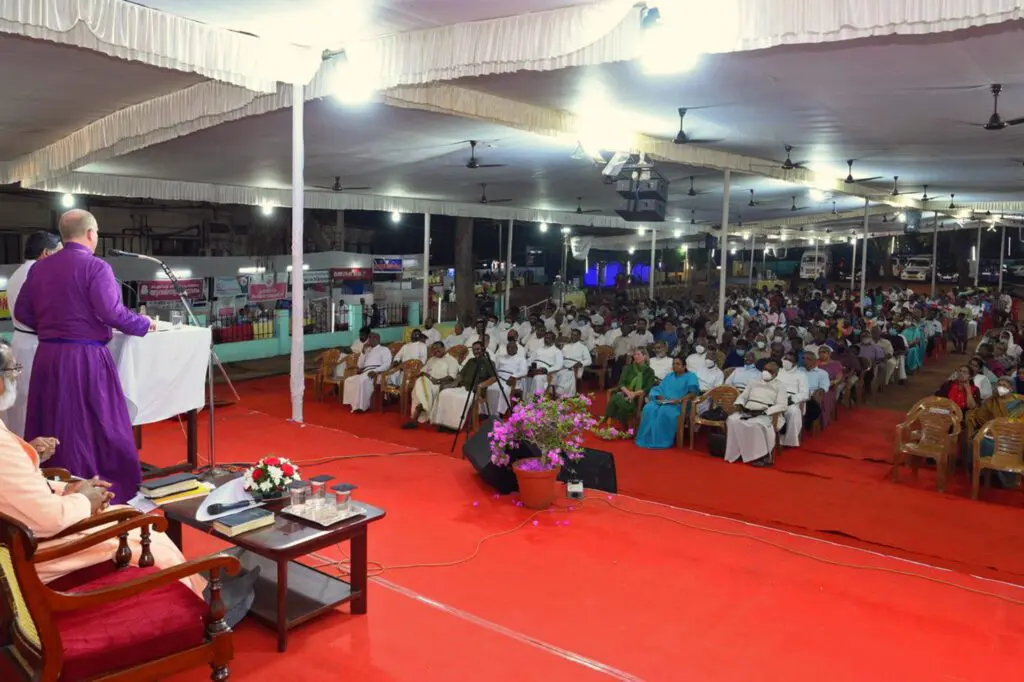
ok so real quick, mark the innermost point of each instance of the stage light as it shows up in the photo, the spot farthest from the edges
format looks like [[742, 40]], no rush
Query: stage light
[[543, 227], [732, 251], [305, 266], [68, 201], [677, 233], [352, 86], [641, 231], [396, 217], [632, 250], [663, 51], [178, 273], [266, 208], [566, 230], [901, 216], [251, 270], [746, 236]]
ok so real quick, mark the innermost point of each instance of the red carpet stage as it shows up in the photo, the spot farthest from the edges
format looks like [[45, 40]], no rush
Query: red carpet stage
[[469, 587]]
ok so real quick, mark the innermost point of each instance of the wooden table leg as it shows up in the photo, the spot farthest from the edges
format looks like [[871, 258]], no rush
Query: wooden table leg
[[174, 533], [282, 605], [192, 438], [138, 436], [358, 577]]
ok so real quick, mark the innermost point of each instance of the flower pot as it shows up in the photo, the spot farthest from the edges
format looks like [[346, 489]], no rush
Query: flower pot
[[536, 487]]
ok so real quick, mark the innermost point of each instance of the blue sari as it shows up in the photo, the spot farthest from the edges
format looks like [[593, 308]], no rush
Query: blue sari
[[660, 421], [915, 354]]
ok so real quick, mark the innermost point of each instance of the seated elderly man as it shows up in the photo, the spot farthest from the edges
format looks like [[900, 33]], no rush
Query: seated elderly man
[[448, 414], [750, 431], [47, 508], [373, 361]]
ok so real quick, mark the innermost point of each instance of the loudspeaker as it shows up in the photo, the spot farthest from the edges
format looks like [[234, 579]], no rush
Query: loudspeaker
[[596, 469]]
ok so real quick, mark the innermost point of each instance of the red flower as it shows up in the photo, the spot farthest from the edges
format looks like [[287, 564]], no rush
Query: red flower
[[288, 470], [272, 461], [257, 474]]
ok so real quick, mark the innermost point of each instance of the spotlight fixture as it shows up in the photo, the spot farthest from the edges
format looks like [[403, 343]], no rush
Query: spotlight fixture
[[641, 230], [632, 250], [266, 208], [396, 217], [68, 201], [677, 233], [543, 227], [566, 230], [816, 195]]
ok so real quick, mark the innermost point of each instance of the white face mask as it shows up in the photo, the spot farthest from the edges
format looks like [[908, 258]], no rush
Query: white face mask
[[699, 350], [1002, 390], [760, 345], [10, 394], [787, 364], [767, 376], [710, 363]]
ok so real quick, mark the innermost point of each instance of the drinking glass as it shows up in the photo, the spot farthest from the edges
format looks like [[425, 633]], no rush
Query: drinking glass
[[317, 496], [297, 494], [177, 318]]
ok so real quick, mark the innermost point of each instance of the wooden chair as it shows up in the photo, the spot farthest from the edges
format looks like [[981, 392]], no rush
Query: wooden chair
[[1008, 450], [602, 356], [459, 353], [327, 362], [403, 392], [395, 347], [720, 396], [154, 626], [927, 434]]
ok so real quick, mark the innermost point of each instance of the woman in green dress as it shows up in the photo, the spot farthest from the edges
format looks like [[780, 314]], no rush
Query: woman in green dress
[[636, 381]]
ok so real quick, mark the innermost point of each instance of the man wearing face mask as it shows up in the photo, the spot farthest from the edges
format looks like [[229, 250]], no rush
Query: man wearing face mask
[[750, 431], [794, 379], [709, 376], [696, 360]]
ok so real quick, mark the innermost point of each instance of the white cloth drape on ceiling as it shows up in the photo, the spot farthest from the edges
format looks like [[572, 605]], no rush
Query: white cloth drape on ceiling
[[136, 33]]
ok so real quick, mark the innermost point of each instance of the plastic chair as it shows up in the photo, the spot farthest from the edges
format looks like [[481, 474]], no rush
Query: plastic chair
[[927, 434], [1008, 452], [409, 369], [327, 362], [720, 396]]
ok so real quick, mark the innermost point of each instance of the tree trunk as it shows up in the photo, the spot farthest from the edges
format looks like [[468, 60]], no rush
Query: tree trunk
[[465, 300]]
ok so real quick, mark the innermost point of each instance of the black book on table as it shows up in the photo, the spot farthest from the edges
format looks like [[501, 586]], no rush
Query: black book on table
[[165, 481], [244, 521]]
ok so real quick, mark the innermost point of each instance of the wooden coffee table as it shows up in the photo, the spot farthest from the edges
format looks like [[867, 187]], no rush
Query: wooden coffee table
[[288, 593]]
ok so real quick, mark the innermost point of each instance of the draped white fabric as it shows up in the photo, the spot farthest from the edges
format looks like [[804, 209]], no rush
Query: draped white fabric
[[172, 190], [136, 33]]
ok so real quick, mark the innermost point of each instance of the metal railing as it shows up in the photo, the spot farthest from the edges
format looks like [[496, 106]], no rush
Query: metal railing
[[387, 315], [249, 325]]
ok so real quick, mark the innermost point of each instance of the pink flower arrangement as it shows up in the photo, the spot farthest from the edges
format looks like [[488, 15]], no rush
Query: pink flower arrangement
[[607, 431], [555, 426]]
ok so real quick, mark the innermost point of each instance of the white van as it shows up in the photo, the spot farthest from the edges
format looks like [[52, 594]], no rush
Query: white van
[[813, 264], [917, 269]]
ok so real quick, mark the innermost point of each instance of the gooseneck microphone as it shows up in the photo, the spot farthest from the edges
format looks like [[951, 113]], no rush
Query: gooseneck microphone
[[129, 254]]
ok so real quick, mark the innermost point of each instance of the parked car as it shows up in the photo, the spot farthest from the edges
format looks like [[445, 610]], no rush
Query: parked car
[[1017, 270], [947, 273], [990, 272], [917, 269]]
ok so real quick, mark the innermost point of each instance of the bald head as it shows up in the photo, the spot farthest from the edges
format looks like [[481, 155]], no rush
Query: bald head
[[80, 227]]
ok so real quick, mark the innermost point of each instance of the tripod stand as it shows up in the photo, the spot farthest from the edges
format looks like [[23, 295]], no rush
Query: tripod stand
[[472, 392]]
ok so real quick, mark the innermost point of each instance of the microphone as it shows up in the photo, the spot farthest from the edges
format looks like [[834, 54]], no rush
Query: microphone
[[219, 508], [129, 254]]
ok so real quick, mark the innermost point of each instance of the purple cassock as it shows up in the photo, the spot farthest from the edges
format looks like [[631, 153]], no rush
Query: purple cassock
[[72, 300]]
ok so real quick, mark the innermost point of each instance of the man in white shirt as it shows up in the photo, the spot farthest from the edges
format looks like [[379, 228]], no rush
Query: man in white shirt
[[661, 363], [641, 337], [510, 364], [535, 339], [457, 337], [547, 359], [414, 350], [439, 371], [575, 357], [358, 388], [586, 331], [741, 376], [24, 343], [794, 380], [709, 376], [695, 361], [526, 327], [478, 333], [430, 335], [750, 431]]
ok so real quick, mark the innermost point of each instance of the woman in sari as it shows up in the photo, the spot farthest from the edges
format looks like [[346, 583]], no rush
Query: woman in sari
[[1004, 403], [915, 345], [659, 421], [636, 380]]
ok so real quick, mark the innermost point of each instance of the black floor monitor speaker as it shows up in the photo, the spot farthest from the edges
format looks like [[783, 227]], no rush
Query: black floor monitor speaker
[[596, 469]]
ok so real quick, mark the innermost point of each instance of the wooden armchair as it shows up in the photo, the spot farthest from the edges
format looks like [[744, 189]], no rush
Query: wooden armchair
[[721, 396], [395, 347], [132, 623], [327, 362], [634, 420], [459, 353], [602, 356], [409, 370], [1007, 438], [927, 434]]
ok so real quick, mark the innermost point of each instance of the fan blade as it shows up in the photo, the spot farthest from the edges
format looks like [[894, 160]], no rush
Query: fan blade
[[591, 210], [495, 201], [330, 189], [347, 189], [1014, 121], [487, 165], [694, 140], [850, 181]]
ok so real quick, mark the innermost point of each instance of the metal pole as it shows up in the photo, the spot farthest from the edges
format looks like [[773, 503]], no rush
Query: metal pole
[[650, 283], [864, 257], [753, 250], [724, 248], [977, 257], [853, 266], [1002, 253], [426, 268], [508, 265], [935, 249], [297, 374]]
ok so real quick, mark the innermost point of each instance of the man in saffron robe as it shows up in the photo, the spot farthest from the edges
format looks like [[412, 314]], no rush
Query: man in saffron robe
[[72, 300]]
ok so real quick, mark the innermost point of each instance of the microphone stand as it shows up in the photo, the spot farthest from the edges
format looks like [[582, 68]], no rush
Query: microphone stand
[[212, 470]]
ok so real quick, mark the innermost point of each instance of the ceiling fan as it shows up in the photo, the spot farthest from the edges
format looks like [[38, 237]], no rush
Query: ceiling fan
[[579, 208], [337, 187], [849, 176], [682, 138], [474, 164], [485, 200], [995, 121], [789, 164], [895, 186], [927, 198]]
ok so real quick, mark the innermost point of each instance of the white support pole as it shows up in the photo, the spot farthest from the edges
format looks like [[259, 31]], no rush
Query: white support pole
[[753, 250], [425, 305], [298, 356], [864, 257], [508, 265], [853, 266], [1002, 253], [977, 258], [723, 246], [935, 249], [650, 279]]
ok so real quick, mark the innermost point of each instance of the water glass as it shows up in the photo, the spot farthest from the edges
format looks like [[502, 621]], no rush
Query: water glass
[[317, 496], [342, 499], [297, 494]]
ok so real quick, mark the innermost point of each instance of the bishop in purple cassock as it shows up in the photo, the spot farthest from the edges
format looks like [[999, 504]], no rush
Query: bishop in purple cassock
[[73, 300]]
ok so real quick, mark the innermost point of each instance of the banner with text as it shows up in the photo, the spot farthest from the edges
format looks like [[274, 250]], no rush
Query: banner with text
[[351, 274], [231, 286], [260, 292], [163, 290], [387, 265]]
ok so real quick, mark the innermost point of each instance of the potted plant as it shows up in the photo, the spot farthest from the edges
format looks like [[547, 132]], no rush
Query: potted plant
[[268, 479], [552, 431]]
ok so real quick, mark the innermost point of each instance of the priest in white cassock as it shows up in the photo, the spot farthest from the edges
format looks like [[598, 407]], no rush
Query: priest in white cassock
[[438, 372], [535, 339], [546, 360], [457, 337], [575, 357], [794, 379], [750, 431], [510, 364], [358, 388], [416, 349], [448, 413], [355, 349], [24, 344], [430, 335]]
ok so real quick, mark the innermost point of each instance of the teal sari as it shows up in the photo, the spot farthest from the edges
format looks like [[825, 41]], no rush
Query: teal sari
[[660, 421]]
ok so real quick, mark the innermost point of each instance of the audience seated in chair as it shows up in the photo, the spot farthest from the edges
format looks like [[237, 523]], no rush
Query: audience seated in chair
[[359, 388], [751, 430], [635, 382], [456, 402], [512, 369], [440, 371], [666, 403]]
